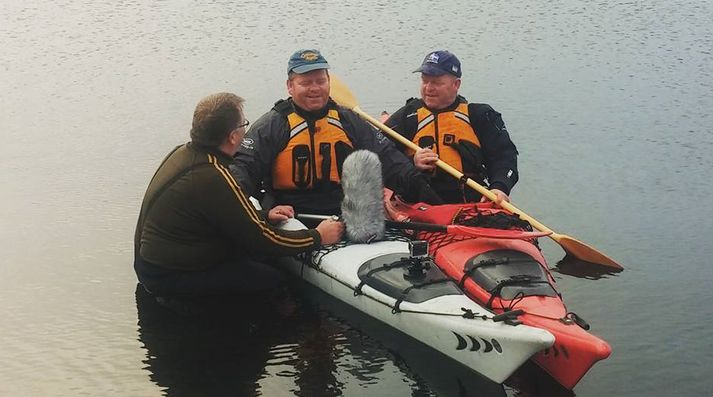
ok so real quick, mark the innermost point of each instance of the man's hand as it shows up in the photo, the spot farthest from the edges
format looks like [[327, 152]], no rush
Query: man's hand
[[384, 116], [330, 231], [501, 197], [279, 214], [425, 159]]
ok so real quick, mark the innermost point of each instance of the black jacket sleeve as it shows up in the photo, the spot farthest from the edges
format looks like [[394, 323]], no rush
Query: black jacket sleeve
[[499, 152], [260, 146]]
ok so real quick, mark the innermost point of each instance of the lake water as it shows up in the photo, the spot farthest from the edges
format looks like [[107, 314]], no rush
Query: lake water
[[608, 102]]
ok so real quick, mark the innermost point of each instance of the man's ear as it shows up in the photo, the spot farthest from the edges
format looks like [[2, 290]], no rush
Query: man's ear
[[234, 138], [289, 84]]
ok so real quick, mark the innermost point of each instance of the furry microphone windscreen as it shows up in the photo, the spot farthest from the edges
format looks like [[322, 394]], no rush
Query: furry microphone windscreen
[[363, 204]]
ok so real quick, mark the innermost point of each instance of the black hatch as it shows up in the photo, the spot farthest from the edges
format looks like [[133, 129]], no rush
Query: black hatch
[[509, 273], [406, 278]]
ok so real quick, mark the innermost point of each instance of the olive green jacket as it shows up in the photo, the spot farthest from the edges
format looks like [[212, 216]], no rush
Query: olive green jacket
[[194, 215]]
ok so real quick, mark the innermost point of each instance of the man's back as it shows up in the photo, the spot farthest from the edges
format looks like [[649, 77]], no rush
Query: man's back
[[173, 229]]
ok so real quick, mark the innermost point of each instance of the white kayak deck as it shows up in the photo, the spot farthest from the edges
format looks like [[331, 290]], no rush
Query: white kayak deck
[[452, 324]]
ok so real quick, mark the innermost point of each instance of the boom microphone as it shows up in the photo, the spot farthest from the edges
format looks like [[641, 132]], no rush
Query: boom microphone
[[363, 204]]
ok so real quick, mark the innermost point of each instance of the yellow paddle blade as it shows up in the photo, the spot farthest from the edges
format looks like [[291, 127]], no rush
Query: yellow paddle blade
[[572, 246], [341, 94], [584, 252]]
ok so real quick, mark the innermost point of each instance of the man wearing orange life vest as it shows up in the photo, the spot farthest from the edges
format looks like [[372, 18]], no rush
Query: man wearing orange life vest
[[469, 136], [296, 150]]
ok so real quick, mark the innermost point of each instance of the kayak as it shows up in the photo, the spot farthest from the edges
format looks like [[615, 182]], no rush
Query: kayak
[[391, 281], [508, 274]]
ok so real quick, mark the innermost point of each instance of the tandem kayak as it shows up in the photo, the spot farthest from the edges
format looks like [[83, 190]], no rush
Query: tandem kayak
[[508, 274], [412, 295]]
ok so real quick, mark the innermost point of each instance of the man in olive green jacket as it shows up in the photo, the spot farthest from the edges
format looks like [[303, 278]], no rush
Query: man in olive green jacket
[[198, 233]]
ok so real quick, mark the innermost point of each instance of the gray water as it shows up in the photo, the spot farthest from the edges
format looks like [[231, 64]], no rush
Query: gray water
[[608, 102]]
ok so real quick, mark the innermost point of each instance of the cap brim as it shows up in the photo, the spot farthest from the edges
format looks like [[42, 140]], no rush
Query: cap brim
[[430, 70], [310, 67]]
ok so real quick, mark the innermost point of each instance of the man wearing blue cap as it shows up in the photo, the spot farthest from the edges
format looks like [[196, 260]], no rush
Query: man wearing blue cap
[[296, 150], [469, 136]]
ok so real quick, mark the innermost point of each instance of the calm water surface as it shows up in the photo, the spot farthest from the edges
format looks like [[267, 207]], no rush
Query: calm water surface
[[608, 102]]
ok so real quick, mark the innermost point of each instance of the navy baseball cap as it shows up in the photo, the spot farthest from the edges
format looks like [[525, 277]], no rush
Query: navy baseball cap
[[438, 63], [304, 61]]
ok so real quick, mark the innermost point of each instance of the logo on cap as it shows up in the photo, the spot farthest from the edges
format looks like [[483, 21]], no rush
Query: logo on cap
[[432, 58], [309, 56]]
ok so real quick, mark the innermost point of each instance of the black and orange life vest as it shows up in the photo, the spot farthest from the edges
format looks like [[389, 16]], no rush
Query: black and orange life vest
[[449, 134], [314, 153]]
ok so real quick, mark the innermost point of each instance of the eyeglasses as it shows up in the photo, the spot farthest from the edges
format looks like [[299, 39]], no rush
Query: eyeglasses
[[243, 125]]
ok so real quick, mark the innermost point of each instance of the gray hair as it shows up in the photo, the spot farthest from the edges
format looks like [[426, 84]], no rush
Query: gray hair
[[215, 117]]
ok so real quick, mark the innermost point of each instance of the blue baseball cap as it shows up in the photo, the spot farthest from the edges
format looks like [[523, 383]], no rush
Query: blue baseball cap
[[304, 61], [438, 63]]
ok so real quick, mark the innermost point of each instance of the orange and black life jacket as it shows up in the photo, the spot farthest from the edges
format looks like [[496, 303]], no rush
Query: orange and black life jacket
[[449, 134], [314, 153]]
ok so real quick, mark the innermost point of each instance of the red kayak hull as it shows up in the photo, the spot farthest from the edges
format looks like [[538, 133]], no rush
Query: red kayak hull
[[575, 350]]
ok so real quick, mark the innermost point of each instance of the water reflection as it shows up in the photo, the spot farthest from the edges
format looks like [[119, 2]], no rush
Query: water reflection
[[270, 344], [532, 381], [196, 349], [574, 267], [287, 344], [428, 372]]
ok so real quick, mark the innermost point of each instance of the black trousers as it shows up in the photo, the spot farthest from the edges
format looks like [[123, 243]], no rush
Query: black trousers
[[243, 276]]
